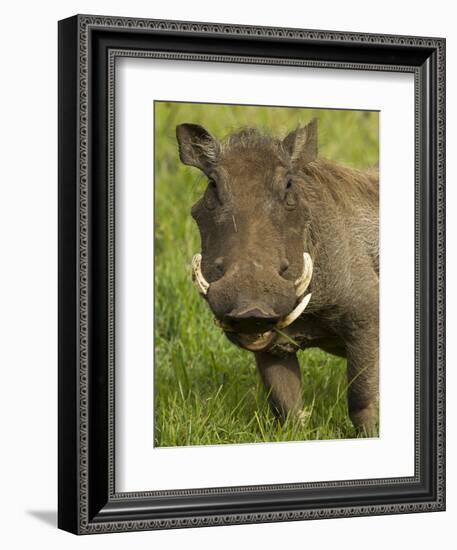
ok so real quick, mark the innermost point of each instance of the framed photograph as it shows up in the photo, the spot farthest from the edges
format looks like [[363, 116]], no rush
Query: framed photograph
[[251, 274]]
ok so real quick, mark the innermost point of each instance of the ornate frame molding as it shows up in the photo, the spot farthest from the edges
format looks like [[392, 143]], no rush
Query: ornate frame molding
[[76, 511]]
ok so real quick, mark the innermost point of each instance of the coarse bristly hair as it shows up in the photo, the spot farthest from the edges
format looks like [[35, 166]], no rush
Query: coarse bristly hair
[[242, 140], [345, 183]]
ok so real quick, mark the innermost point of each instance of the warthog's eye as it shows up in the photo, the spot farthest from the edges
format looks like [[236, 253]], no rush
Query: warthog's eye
[[211, 196], [290, 197]]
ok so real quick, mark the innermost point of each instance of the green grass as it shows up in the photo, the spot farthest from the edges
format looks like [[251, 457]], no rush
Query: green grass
[[207, 391]]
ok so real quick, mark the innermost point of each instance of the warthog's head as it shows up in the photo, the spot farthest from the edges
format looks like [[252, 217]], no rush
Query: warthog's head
[[254, 268]]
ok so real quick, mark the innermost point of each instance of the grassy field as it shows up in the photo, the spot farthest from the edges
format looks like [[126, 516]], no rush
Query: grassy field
[[207, 391]]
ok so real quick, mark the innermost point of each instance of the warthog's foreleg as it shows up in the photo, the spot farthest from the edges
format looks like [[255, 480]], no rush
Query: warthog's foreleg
[[282, 380], [363, 379]]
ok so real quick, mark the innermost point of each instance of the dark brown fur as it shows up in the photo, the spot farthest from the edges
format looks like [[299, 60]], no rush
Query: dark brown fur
[[268, 201]]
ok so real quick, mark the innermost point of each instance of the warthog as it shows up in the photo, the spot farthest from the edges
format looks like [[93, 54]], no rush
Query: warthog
[[289, 258]]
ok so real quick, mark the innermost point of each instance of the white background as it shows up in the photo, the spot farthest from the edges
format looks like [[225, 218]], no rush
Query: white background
[[141, 467], [28, 232]]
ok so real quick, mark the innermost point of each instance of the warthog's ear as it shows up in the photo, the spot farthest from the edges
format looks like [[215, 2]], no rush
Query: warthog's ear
[[302, 144], [197, 147]]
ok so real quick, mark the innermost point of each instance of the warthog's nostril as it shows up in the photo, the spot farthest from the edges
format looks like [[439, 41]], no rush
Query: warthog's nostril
[[284, 266], [219, 263]]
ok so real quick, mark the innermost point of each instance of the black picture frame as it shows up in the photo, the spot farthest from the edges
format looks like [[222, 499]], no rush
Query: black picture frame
[[87, 501]]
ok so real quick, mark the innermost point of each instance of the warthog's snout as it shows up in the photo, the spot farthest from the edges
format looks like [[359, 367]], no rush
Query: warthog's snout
[[249, 321]]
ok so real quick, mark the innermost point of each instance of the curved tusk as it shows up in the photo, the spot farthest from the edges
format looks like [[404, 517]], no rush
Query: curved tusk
[[294, 314], [302, 283], [197, 276]]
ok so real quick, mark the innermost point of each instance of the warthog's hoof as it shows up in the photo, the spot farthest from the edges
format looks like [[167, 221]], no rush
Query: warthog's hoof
[[295, 416], [303, 416], [366, 420]]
